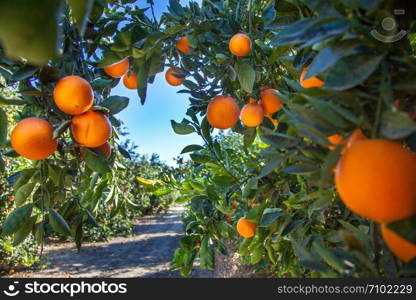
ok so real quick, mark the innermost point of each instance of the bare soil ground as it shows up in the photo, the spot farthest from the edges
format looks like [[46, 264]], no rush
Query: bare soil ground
[[146, 254]]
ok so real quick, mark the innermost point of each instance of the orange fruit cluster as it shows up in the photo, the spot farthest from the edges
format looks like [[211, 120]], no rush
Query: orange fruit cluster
[[33, 137], [375, 179], [223, 111], [74, 96], [121, 69]]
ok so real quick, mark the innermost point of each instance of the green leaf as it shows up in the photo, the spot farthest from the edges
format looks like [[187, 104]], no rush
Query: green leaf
[[301, 168], [23, 193], [4, 101], [2, 164], [307, 259], [3, 127], [29, 29], [269, 216], [182, 128], [191, 148], [206, 254], [249, 137], [23, 232], [96, 161], [329, 56], [329, 257], [200, 158], [351, 71], [254, 214], [247, 77], [292, 226], [91, 218], [397, 125], [319, 31], [115, 104], [100, 84], [123, 152], [58, 223], [122, 42], [54, 173], [162, 192], [142, 68], [17, 218], [81, 10], [405, 228], [112, 57], [257, 255], [327, 112], [24, 72], [272, 165], [328, 165], [269, 13], [205, 128], [61, 129], [175, 8], [187, 243]]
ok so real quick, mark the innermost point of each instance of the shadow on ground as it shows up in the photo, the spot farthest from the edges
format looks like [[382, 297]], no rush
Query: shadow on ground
[[147, 253]]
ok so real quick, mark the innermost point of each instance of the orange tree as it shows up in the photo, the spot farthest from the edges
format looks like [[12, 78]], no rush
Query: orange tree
[[336, 96], [63, 159], [331, 87]]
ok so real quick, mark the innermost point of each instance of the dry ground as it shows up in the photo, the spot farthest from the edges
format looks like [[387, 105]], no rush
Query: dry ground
[[146, 254]]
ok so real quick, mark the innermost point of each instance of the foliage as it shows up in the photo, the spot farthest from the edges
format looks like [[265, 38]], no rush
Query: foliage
[[285, 170]]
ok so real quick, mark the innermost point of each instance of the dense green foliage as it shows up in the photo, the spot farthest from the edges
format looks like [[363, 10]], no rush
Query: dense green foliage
[[303, 227]]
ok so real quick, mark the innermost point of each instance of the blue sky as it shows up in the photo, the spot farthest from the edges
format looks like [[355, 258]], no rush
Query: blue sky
[[149, 125]]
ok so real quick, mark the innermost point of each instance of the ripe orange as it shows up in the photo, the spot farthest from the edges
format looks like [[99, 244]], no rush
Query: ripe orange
[[32, 138], [198, 244], [400, 247], [172, 79], [310, 82], [376, 179], [183, 45], [240, 45], [73, 95], [252, 114], [91, 129], [130, 80], [270, 101], [118, 69], [234, 204], [246, 228], [228, 219], [223, 112], [255, 204], [335, 140]]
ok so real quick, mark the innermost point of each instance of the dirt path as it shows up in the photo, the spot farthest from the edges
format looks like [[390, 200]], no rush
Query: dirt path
[[146, 254]]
